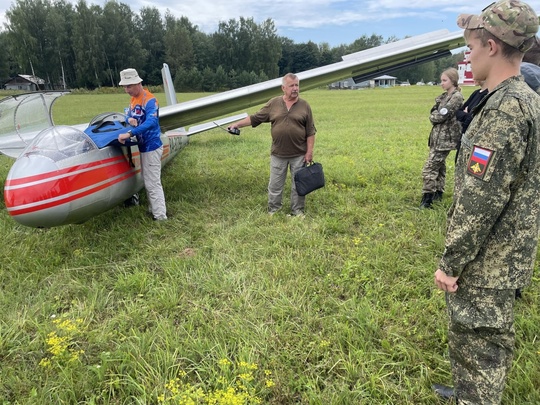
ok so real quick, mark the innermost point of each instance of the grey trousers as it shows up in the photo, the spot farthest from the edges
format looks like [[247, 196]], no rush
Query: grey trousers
[[278, 175], [151, 174]]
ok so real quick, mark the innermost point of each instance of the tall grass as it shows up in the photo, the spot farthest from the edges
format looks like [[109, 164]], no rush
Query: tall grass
[[224, 303]]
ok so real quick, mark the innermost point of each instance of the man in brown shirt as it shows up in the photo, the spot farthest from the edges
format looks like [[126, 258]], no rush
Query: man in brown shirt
[[293, 137]]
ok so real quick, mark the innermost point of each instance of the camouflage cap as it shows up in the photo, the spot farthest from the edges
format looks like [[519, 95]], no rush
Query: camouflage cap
[[512, 21]]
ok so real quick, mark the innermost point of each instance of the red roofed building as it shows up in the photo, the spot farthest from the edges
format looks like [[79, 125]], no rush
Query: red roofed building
[[465, 72]]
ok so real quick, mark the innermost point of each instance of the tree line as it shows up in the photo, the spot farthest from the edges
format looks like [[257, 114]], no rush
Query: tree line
[[86, 46]]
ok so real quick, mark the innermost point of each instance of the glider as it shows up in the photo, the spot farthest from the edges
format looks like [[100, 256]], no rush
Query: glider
[[69, 174]]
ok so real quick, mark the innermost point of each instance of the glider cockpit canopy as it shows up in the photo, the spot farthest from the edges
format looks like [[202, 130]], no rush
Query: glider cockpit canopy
[[22, 117]]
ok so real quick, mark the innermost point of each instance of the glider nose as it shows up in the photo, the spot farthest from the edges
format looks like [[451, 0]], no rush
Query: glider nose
[[30, 191], [37, 189]]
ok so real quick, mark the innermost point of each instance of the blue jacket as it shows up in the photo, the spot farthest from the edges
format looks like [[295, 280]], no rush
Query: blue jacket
[[145, 110]]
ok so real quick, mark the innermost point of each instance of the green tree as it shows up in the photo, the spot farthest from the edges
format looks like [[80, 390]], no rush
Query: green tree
[[287, 55], [247, 78], [440, 65], [230, 52], [204, 49], [306, 56], [327, 57], [59, 51], [339, 51], [265, 49], [263, 77], [178, 45], [121, 48], [209, 82], [244, 45], [7, 62], [220, 79], [150, 31], [188, 80], [424, 72], [232, 79], [25, 27], [181, 80], [88, 45], [365, 42]]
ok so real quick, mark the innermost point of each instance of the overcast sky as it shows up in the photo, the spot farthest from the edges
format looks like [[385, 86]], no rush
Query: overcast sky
[[333, 21]]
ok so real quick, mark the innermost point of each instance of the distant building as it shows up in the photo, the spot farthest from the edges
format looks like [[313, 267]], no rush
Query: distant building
[[385, 81], [349, 84], [25, 82], [465, 72]]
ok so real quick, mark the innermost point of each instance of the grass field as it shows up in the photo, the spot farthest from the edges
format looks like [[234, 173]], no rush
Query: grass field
[[223, 304]]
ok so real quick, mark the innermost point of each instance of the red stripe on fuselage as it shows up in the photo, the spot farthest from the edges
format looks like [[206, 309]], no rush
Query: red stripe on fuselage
[[40, 207], [46, 190], [62, 172], [59, 187]]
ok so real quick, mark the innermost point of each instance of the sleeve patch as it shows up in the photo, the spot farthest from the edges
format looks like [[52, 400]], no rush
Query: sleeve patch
[[479, 162]]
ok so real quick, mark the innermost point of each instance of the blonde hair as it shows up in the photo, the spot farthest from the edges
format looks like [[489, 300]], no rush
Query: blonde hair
[[453, 75]]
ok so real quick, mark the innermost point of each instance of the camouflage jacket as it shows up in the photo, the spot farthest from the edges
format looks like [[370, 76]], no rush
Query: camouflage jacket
[[446, 131], [494, 220]]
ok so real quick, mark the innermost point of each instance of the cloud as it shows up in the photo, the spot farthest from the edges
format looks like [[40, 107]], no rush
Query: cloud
[[293, 15]]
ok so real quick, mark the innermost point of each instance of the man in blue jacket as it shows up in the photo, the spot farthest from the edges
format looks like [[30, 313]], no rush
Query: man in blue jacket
[[143, 115]]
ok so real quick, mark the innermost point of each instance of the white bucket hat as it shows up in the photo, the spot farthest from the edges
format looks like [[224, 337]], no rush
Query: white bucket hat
[[129, 76]]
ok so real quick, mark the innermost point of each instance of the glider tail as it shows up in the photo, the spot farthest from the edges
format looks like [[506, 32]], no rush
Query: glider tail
[[168, 85]]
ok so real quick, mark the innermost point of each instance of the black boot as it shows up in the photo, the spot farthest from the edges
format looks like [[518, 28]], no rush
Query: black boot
[[132, 201], [427, 200], [438, 196]]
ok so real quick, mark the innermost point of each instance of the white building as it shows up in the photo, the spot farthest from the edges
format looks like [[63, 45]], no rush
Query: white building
[[349, 84], [25, 82]]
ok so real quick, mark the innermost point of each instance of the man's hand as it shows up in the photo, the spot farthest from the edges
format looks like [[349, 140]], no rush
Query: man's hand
[[444, 282], [122, 137]]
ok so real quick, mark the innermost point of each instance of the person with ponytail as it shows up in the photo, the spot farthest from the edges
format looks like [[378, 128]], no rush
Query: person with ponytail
[[444, 137]]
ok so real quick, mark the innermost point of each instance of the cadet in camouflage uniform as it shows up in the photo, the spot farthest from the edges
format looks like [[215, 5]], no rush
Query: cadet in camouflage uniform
[[494, 221], [444, 137]]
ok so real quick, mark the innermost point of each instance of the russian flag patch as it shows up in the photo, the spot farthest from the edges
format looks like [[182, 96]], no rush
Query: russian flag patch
[[479, 162]]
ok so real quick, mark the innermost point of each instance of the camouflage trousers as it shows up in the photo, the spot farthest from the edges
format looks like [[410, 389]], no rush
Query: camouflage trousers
[[434, 171], [481, 342]]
